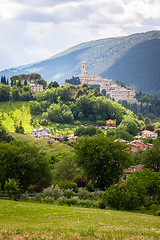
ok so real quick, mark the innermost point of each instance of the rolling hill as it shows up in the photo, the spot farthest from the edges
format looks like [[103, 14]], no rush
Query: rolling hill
[[134, 59]]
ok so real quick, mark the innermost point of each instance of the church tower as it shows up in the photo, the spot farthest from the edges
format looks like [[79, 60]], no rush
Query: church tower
[[84, 70]]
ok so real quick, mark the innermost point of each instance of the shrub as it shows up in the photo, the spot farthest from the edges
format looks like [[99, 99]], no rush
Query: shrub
[[31, 188], [119, 198], [96, 195], [54, 192], [84, 194], [154, 207], [38, 197], [68, 193], [87, 203], [68, 185], [48, 200], [68, 201], [25, 196], [38, 188], [81, 181], [75, 201]]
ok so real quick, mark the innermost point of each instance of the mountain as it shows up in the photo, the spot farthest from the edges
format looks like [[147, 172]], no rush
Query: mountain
[[134, 59]]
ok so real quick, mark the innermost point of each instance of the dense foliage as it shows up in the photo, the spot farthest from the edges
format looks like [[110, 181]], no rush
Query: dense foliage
[[102, 159], [23, 162], [76, 103], [140, 189], [149, 106]]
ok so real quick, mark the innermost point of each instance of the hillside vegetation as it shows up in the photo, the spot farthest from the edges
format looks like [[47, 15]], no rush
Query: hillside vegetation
[[133, 59]]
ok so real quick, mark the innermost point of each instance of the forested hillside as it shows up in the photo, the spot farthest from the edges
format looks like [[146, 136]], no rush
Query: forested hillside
[[133, 59]]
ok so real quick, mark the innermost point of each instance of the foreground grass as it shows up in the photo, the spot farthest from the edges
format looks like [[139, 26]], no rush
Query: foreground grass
[[20, 220]]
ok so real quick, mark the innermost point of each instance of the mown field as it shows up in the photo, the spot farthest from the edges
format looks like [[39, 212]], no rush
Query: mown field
[[27, 220]]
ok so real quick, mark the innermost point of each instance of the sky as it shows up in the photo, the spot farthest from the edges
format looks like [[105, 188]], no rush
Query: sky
[[34, 30]]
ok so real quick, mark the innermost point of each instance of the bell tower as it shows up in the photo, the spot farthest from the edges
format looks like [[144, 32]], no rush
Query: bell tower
[[84, 70]]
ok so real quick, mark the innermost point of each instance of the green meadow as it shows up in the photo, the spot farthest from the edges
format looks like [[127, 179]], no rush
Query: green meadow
[[11, 113], [48, 146], [29, 220]]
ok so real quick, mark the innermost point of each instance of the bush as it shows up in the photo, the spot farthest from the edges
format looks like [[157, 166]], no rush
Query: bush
[[117, 197], [80, 181], [38, 188], [75, 201], [68, 201], [84, 194], [96, 195], [48, 200], [88, 203], [54, 192], [68, 193], [68, 185], [25, 196], [38, 197], [154, 207]]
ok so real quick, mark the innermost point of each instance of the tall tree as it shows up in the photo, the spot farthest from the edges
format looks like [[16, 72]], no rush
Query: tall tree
[[102, 159], [21, 161], [151, 158]]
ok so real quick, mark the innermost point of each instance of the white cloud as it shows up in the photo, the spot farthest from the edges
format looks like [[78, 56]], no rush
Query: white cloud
[[34, 30]]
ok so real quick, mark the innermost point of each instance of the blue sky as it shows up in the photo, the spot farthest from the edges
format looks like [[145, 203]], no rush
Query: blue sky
[[33, 30]]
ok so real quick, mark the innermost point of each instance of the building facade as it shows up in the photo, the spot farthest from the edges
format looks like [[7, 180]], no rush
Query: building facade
[[111, 89], [36, 87], [149, 134], [41, 133]]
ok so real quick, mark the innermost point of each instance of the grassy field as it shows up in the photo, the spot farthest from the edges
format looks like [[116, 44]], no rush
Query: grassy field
[[26, 220], [44, 144], [11, 113]]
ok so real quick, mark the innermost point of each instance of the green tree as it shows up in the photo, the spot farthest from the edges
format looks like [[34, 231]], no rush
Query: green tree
[[53, 85], [25, 82], [60, 113], [151, 158], [147, 121], [145, 179], [4, 136], [130, 126], [20, 128], [86, 131], [35, 108], [4, 92], [12, 187], [120, 198], [19, 84], [102, 159], [73, 80], [140, 116], [21, 161], [65, 169], [15, 93]]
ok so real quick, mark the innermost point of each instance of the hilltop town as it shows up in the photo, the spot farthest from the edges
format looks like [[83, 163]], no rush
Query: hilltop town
[[112, 90]]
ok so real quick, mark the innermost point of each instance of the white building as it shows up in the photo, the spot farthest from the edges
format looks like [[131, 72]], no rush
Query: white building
[[149, 134], [113, 90], [41, 133], [36, 87]]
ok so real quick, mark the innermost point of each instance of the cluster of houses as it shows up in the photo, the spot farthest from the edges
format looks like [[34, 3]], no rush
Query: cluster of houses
[[135, 145], [44, 134], [111, 89], [139, 144]]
